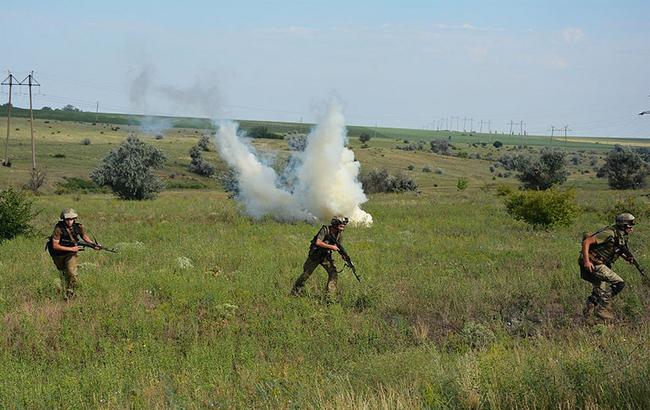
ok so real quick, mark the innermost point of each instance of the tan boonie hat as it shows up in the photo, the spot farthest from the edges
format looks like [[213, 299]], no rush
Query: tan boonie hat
[[69, 213]]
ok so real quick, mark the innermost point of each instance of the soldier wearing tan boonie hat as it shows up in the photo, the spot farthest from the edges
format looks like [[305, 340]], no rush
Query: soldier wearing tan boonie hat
[[63, 249]]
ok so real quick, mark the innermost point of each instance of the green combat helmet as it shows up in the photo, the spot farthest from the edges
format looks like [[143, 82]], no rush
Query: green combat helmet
[[625, 219], [68, 213], [339, 220]]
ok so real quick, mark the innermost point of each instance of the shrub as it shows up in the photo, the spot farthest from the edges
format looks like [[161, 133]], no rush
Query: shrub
[[440, 146], [198, 165], [58, 155], [230, 183], [543, 173], [543, 208], [297, 142], [85, 141], [477, 335], [204, 143], [461, 184], [497, 144], [625, 169], [15, 213], [512, 162], [127, 170], [382, 181], [426, 169], [262, 132], [36, 180], [159, 136], [410, 167], [364, 138]]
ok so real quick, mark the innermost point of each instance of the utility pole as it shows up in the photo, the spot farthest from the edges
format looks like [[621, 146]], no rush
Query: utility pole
[[11, 79], [465, 124], [471, 125], [96, 112], [511, 124], [566, 128], [31, 82], [490, 127], [480, 129], [552, 132]]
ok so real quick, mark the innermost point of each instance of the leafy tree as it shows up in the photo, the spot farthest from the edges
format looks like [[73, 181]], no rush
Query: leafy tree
[[364, 137], [70, 108], [15, 213], [625, 169], [127, 170], [543, 173]]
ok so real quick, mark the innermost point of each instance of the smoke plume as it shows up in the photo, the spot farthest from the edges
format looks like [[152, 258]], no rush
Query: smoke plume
[[319, 183]]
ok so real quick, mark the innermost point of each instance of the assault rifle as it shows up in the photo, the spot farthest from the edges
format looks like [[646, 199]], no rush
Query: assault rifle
[[85, 244], [627, 254], [344, 255]]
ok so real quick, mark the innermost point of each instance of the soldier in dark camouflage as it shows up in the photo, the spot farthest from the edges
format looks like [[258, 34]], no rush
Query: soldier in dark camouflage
[[63, 249], [599, 251], [320, 253]]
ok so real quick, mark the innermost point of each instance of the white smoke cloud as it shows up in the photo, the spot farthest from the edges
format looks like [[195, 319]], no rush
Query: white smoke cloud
[[325, 175]]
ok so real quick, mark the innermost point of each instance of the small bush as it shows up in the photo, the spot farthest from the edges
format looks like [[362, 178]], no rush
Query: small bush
[[15, 214], [57, 155], [36, 180], [543, 209], [497, 144], [205, 144], [127, 170], [230, 183], [382, 181], [364, 137], [85, 141], [198, 165], [440, 146], [262, 132], [504, 190], [461, 184], [478, 336], [426, 169], [297, 142], [438, 171], [410, 167], [159, 136]]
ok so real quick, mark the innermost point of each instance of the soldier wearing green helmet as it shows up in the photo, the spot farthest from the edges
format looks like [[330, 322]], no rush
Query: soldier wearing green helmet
[[63, 248], [599, 251], [320, 253]]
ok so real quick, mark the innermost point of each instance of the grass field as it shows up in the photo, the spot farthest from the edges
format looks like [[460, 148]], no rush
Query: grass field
[[459, 305]]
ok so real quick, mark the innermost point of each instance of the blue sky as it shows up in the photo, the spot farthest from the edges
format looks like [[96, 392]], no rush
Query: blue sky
[[585, 64]]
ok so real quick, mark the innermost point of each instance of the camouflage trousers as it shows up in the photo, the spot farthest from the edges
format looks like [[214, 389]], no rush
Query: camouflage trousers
[[67, 266], [308, 268], [606, 284]]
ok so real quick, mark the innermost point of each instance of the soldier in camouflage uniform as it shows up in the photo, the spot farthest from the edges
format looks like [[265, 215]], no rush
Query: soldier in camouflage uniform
[[63, 249], [599, 251], [320, 253]]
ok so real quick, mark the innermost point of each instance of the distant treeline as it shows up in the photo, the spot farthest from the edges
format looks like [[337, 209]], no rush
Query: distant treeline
[[272, 127]]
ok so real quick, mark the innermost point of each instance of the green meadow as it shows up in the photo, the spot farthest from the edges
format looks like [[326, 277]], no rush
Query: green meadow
[[459, 306]]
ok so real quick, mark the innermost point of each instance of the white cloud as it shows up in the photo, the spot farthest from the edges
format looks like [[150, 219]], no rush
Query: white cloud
[[572, 35]]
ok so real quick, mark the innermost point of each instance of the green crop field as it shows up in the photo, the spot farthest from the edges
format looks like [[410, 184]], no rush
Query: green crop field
[[460, 306]]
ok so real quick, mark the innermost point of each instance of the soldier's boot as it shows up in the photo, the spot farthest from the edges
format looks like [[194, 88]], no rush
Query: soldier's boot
[[604, 312], [590, 306]]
